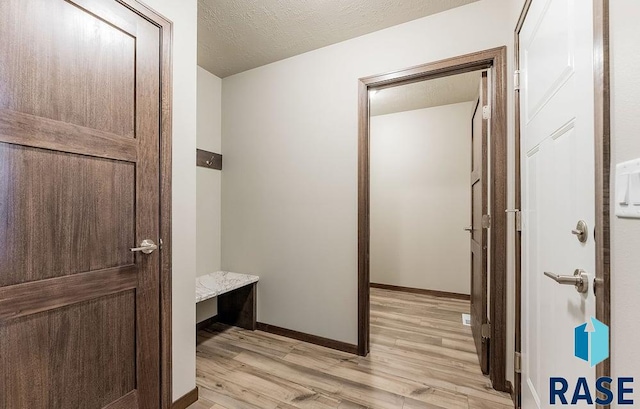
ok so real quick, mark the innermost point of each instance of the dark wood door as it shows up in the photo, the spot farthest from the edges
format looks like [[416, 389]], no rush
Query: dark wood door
[[79, 186], [479, 208]]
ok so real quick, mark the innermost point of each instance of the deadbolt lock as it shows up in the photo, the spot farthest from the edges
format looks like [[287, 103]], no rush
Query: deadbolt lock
[[581, 231]]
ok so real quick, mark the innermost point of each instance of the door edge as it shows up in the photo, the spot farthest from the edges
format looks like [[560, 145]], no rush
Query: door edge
[[165, 27]]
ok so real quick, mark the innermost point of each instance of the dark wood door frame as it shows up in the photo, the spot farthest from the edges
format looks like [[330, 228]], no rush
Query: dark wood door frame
[[517, 376], [602, 140], [495, 60], [165, 28]]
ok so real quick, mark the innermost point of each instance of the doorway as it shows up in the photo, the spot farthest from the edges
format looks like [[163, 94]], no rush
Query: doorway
[[494, 62], [421, 137]]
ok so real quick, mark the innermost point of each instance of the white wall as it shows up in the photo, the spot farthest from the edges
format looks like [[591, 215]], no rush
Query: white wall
[[625, 233], [421, 198], [290, 130], [209, 185], [183, 14]]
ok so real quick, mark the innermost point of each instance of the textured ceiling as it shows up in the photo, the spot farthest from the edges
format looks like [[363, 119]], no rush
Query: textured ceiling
[[426, 94], [237, 35]]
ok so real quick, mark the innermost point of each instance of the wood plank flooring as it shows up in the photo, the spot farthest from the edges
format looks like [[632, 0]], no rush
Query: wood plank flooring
[[421, 357]]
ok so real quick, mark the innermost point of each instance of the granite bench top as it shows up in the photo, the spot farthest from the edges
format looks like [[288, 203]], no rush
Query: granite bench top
[[220, 282]]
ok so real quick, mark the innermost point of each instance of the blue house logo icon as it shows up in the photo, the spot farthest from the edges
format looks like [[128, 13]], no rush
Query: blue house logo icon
[[592, 344]]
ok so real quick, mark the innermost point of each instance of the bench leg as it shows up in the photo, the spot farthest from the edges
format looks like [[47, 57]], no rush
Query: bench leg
[[238, 307]]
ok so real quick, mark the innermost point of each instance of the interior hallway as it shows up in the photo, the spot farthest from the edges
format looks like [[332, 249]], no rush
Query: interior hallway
[[422, 356]]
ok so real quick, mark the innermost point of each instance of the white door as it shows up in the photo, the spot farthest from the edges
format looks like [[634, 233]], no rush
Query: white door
[[557, 122]]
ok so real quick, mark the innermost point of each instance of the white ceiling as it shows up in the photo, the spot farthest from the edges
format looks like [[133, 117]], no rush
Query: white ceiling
[[237, 35], [426, 94]]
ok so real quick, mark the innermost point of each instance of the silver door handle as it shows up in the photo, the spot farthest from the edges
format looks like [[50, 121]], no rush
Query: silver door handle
[[579, 279], [147, 246], [469, 229]]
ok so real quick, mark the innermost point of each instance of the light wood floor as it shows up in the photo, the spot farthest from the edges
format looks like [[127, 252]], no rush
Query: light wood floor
[[421, 357]]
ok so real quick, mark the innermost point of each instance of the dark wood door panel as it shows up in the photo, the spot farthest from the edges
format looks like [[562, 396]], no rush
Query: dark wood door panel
[[82, 356], [476, 148], [43, 295], [479, 236], [479, 307], [63, 214], [78, 69], [80, 120], [130, 400], [29, 130], [476, 211]]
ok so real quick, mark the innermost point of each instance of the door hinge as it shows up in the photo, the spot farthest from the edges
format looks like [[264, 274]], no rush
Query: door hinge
[[486, 112], [486, 331], [517, 362], [516, 80], [518, 215], [486, 221], [160, 244]]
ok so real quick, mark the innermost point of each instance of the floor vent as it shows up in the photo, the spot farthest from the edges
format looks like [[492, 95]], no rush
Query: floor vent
[[466, 319]]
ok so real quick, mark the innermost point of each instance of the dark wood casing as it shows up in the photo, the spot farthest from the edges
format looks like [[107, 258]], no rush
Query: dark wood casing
[[495, 60]]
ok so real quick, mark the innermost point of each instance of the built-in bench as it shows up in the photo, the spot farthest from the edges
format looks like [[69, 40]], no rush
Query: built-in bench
[[236, 297]]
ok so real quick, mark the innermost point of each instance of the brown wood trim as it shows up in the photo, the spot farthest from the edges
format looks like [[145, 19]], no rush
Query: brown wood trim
[[511, 392], [166, 144], [206, 323], [30, 298], [363, 220], [480, 317], [166, 134], [517, 377], [130, 400], [312, 339], [602, 169], [210, 160], [38, 132], [494, 59], [456, 65], [186, 400], [498, 198], [432, 293]]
